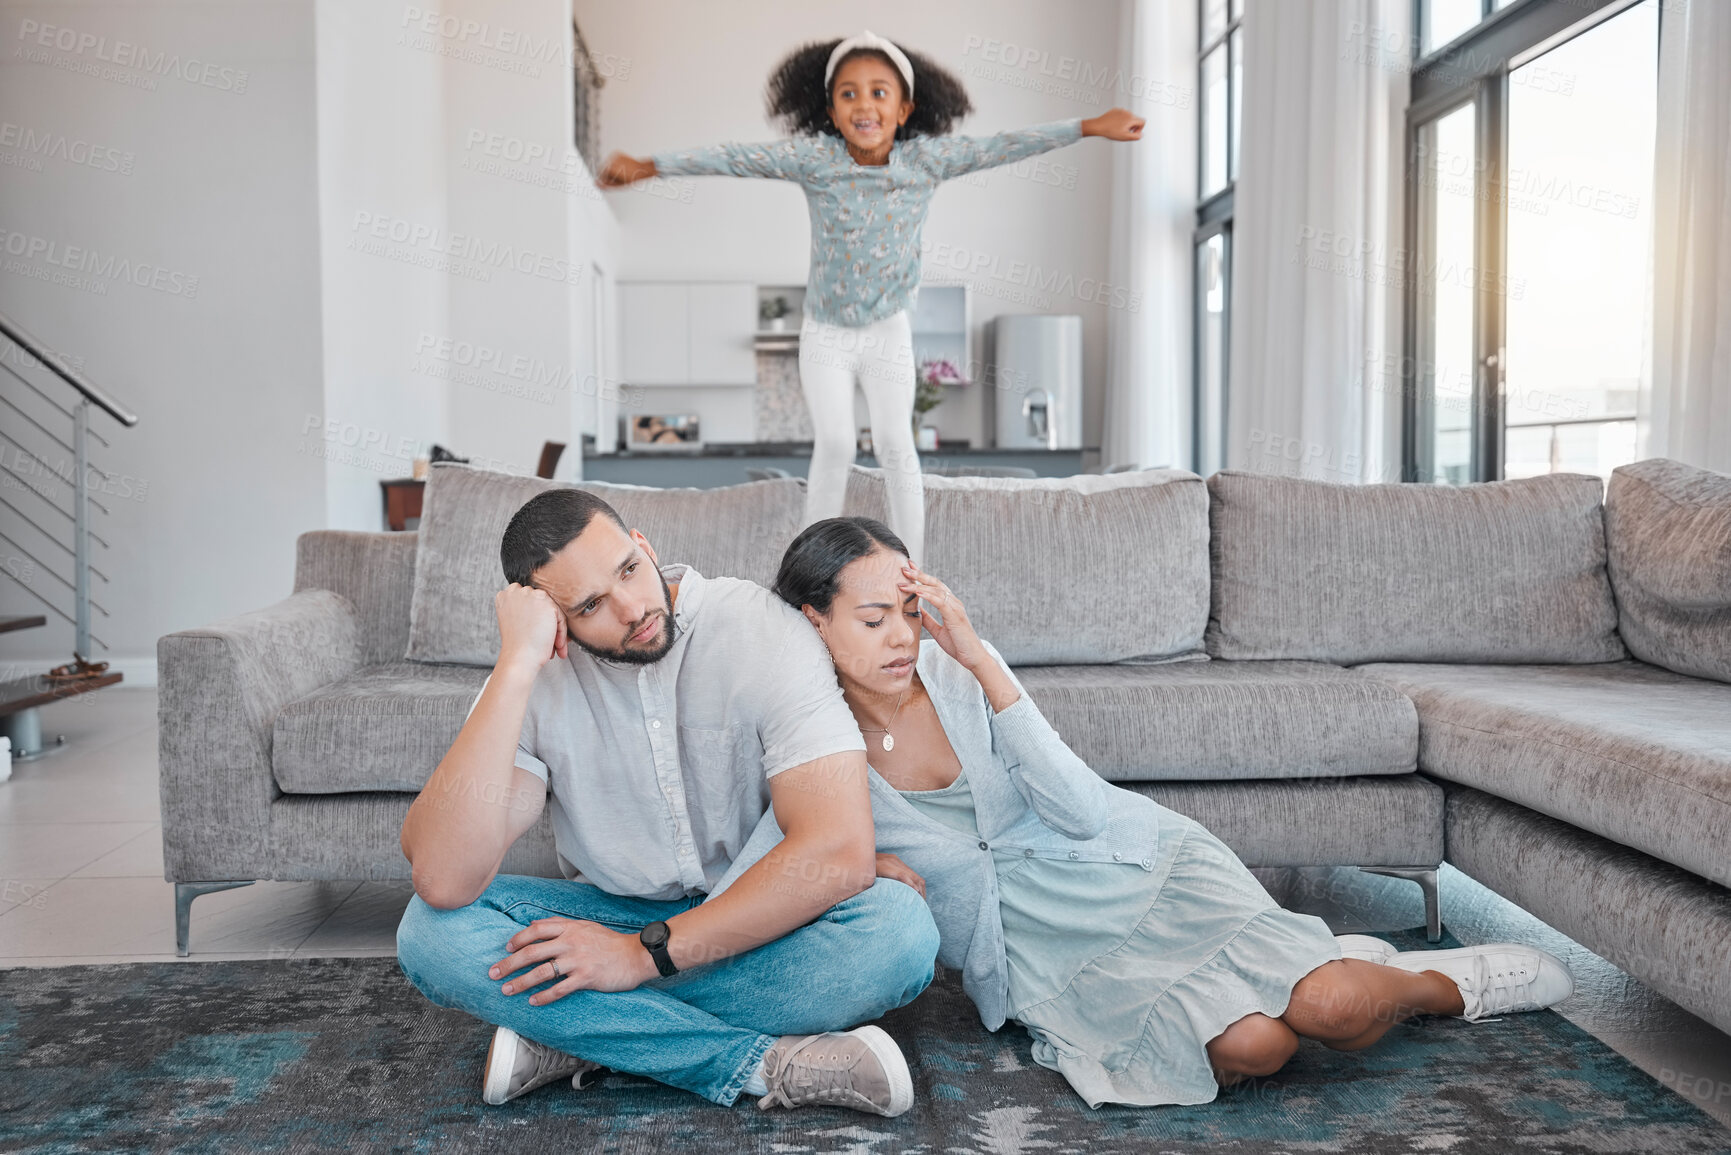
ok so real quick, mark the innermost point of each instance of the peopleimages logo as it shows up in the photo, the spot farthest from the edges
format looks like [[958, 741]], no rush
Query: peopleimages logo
[[35, 143], [462, 36], [88, 261], [1066, 76], [1026, 275], [464, 247], [124, 54]]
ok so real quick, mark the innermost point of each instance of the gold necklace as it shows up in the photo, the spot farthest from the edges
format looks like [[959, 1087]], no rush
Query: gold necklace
[[889, 741]]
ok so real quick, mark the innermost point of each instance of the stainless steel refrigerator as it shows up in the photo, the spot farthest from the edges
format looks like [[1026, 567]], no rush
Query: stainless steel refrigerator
[[1036, 382]]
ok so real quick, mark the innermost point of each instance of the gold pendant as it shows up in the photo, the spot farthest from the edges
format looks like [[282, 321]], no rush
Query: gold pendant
[[889, 742]]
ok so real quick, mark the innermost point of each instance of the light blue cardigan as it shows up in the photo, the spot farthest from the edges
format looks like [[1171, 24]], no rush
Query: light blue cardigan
[[1031, 795]]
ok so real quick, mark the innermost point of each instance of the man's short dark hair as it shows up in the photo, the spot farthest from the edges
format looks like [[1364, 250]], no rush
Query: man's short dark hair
[[547, 523]]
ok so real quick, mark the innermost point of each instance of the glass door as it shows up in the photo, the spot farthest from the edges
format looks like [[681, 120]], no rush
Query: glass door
[[1447, 194], [1579, 225], [1213, 260], [1529, 235]]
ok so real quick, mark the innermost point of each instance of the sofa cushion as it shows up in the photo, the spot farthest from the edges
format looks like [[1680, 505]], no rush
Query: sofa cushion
[[1091, 568], [1382, 821], [1668, 533], [375, 571], [1506, 571], [383, 727], [1200, 721], [736, 531], [1624, 750], [358, 835]]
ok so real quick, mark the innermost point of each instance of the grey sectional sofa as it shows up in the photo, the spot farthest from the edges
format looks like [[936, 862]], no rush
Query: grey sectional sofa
[[1516, 677]]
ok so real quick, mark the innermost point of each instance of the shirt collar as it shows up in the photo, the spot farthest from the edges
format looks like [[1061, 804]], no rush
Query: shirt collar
[[691, 586]]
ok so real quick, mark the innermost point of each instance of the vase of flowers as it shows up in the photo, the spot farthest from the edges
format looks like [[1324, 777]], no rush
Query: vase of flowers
[[929, 386]]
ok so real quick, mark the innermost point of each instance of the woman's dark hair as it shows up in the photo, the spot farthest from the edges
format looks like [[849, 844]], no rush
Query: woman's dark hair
[[811, 568], [799, 99], [546, 524]]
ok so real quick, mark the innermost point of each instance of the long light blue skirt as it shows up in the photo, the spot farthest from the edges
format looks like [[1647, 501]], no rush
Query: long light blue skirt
[[1209, 947]]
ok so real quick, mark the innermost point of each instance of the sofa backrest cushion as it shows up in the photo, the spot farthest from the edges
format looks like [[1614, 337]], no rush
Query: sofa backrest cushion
[[1062, 570], [735, 531], [1668, 530], [375, 571], [1504, 571]]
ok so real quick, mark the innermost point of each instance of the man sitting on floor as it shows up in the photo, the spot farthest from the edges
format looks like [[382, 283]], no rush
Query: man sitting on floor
[[687, 705]]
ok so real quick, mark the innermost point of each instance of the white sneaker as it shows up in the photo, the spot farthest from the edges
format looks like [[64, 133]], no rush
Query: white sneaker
[[515, 1066], [1497, 978], [861, 1069], [1365, 947]]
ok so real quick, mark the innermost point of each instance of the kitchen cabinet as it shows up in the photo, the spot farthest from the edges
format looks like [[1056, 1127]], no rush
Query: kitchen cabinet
[[687, 333]]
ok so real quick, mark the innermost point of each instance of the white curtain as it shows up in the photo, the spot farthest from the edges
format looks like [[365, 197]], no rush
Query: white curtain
[[1687, 412], [1147, 409], [1314, 364]]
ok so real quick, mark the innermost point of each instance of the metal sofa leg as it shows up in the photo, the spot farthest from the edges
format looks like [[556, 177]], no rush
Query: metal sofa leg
[[1426, 877], [184, 893]]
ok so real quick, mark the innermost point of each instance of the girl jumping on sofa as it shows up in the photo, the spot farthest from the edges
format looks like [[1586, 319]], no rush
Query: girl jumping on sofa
[[870, 146], [1146, 961]]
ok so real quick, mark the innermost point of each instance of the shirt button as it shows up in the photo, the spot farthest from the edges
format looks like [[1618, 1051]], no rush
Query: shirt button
[[983, 846], [1117, 858], [1027, 854], [1074, 856], [656, 724], [1147, 864]]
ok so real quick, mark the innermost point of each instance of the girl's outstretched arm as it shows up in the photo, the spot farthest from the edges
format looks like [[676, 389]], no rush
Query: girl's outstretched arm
[[775, 160], [955, 156]]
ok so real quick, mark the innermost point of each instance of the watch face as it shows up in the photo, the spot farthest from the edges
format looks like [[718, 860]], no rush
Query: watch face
[[655, 935]]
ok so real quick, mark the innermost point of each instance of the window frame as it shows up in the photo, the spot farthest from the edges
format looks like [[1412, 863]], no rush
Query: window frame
[[1474, 68], [1214, 217]]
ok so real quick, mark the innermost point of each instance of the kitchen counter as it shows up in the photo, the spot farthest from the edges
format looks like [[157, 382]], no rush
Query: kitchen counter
[[725, 463]]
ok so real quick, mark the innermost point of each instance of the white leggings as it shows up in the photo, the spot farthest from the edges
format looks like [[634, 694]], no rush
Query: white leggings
[[880, 358]]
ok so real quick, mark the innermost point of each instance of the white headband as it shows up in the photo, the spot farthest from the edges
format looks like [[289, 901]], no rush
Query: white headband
[[872, 41]]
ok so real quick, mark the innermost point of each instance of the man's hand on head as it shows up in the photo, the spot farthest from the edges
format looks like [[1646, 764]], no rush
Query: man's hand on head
[[531, 628]]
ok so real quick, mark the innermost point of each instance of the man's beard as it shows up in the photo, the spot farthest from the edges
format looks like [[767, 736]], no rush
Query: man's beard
[[640, 656]]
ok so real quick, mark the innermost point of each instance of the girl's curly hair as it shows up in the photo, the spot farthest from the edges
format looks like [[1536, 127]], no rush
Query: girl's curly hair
[[798, 99]]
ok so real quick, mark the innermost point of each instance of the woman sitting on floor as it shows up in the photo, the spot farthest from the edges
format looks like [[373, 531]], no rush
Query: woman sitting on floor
[[1147, 962]]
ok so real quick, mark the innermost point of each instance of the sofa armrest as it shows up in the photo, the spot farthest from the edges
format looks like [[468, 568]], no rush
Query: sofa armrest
[[375, 571], [220, 689]]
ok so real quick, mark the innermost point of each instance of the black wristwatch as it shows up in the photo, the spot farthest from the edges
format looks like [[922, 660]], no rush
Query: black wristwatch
[[654, 939]]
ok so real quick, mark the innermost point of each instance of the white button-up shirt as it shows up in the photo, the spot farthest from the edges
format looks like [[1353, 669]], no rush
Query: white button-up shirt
[[659, 773]]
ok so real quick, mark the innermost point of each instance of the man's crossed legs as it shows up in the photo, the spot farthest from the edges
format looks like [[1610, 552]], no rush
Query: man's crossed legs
[[706, 1030]]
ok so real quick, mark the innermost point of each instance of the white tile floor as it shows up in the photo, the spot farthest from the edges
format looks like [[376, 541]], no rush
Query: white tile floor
[[81, 862], [81, 882]]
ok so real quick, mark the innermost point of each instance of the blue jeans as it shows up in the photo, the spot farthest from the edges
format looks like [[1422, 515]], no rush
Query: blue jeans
[[706, 1029]]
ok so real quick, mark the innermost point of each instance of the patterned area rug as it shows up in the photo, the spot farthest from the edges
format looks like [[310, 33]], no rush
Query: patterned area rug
[[345, 1055]]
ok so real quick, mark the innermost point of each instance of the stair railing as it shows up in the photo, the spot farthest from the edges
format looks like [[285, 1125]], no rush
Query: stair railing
[[24, 352]]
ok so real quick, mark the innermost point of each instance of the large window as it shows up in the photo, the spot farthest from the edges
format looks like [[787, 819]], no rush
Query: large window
[[1446, 197], [1580, 226], [1220, 72], [1441, 21], [1531, 159]]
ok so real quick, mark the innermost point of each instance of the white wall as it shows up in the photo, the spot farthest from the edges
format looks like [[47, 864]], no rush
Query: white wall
[[219, 181], [253, 147], [534, 307], [693, 73], [381, 161], [465, 314]]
